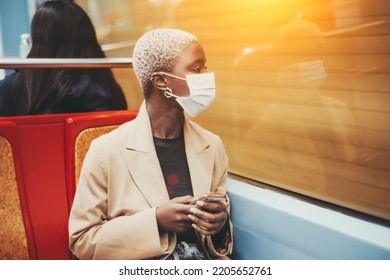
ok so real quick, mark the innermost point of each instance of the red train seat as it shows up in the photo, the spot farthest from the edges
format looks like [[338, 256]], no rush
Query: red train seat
[[40, 151], [16, 236], [79, 133]]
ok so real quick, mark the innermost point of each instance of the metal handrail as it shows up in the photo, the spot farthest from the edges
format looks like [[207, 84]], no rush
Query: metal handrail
[[19, 63]]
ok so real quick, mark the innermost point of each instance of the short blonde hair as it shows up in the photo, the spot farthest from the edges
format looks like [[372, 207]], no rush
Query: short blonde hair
[[156, 51]]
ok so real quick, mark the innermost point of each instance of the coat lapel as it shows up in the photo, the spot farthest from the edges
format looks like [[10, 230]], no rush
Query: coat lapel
[[142, 162], [144, 167], [200, 159]]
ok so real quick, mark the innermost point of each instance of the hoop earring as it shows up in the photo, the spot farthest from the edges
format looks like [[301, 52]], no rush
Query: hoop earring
[[168, 93]]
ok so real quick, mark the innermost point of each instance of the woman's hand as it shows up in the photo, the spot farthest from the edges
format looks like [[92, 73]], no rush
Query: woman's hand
[[208, 217], [173, 215]]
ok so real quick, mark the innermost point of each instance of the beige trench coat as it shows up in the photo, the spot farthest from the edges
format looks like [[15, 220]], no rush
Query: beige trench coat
[[121, 184]]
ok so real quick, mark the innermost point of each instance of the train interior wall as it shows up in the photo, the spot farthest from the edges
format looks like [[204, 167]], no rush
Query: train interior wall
[[273, 226]]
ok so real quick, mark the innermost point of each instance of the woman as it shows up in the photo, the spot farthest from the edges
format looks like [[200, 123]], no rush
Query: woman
[[155, 188], [61, 29]]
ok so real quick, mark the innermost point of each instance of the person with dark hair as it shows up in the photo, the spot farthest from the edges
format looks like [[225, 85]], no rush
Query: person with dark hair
[[61, 29], [155, 188]]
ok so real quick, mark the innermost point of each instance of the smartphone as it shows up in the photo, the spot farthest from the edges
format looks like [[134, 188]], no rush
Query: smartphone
[[213, 197]]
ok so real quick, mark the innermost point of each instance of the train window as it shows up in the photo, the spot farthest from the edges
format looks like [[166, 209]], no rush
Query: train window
[[303, 87]]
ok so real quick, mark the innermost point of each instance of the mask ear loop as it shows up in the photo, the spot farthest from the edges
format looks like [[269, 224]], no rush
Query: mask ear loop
[[168, 93]]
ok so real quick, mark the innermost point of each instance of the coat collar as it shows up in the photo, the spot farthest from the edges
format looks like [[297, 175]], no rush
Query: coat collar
[[141, 138], [143, 165]]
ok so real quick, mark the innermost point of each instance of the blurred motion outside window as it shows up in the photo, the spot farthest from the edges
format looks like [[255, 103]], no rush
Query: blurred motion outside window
[[303, 87]]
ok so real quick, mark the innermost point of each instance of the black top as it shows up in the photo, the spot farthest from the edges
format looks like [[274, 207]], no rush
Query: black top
[[173, 161], [5, 92]]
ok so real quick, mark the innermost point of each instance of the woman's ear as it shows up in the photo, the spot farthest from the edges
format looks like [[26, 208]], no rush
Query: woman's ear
[[158, 81]]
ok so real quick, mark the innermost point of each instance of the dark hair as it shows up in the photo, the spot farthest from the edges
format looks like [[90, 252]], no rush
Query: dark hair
[[59, 29]]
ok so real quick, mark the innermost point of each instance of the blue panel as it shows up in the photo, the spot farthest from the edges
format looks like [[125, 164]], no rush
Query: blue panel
[[269, 225], [15, 20]]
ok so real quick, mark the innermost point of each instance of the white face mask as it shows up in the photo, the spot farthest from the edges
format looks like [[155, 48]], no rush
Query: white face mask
[[202, 92], [309, 74]]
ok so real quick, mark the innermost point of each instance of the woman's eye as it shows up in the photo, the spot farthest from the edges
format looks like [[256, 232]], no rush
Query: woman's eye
[[199, 69]]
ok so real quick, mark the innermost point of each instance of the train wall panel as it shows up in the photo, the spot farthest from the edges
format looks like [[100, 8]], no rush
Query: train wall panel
[[270, 225]]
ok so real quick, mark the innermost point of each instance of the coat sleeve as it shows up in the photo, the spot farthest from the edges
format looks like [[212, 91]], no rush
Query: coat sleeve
[[219, 186], [94, 235]]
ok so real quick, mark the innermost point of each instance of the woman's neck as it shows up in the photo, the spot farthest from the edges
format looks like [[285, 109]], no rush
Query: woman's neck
[[166, 121]]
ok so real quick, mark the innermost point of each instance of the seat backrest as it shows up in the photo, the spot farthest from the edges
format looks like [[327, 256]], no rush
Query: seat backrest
[[79, 133], [40, 142], [16, 236], [82, 143], [39, 151]]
